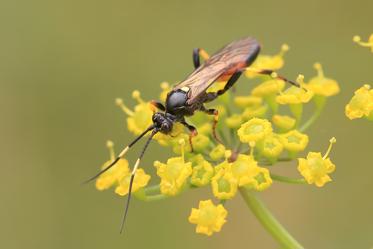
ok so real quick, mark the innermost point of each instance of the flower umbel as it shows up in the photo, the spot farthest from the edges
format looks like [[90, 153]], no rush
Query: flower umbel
[[255, 134]]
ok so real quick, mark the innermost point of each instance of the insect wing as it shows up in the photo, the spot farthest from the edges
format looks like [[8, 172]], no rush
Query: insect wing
[[237, 54]]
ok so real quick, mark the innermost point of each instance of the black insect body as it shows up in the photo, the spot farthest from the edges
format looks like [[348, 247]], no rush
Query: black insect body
[[190, 95]]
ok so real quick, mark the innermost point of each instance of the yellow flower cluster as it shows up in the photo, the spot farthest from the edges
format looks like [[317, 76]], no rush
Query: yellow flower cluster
[[255, 134], [120, 176]]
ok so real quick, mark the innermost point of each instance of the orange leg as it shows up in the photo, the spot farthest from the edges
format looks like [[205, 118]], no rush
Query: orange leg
[[193, 133], [215, 123], [273, 74]]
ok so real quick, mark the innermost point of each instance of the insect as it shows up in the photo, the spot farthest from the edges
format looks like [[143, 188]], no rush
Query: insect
[[190, 95]]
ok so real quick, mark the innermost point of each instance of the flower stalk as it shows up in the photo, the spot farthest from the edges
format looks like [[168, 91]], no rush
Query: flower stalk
[[269, 222]]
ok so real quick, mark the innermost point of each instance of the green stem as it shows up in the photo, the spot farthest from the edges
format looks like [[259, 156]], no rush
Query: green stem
[[320, 103], [286, 179], [152, 189], [271, 101], [269, 222], [297, 110], [157, 197]]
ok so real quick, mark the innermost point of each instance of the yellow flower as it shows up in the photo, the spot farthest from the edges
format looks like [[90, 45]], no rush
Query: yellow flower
[[173, 174], [283, 122], [224, 185], [243, 169], [254, 112], [219, 85], [294, 141], [268, 87], [262, 179], [271, 147], [361, 103], [200, 142], [247, 101], [274, 62], [202, 171], [357, 39], [209, 218], [217, 152], [175, 135], [234, 121], [254, 130], [115, 173], [315, 168], [139, 119], [294, 95], [141, 180], [321, 85], [225, 164]]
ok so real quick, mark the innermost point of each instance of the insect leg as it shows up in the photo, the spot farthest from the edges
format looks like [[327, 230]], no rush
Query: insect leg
[[214, 124], [211, 96], [273, 74], [193, 132], [158, 105], [197, 53]]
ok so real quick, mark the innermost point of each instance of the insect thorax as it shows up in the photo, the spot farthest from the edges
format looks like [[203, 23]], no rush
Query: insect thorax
[[176, 101]]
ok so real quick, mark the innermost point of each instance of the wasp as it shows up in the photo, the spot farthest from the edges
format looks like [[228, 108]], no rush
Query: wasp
[[190, 95]]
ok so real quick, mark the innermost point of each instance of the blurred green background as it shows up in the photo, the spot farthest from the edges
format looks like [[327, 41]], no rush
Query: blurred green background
[[62, 64]]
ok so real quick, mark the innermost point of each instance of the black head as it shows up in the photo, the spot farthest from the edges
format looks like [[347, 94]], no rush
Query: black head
[[163, 122]]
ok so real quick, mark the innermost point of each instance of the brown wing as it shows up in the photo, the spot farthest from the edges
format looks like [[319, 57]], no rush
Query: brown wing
[[231, 55]]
